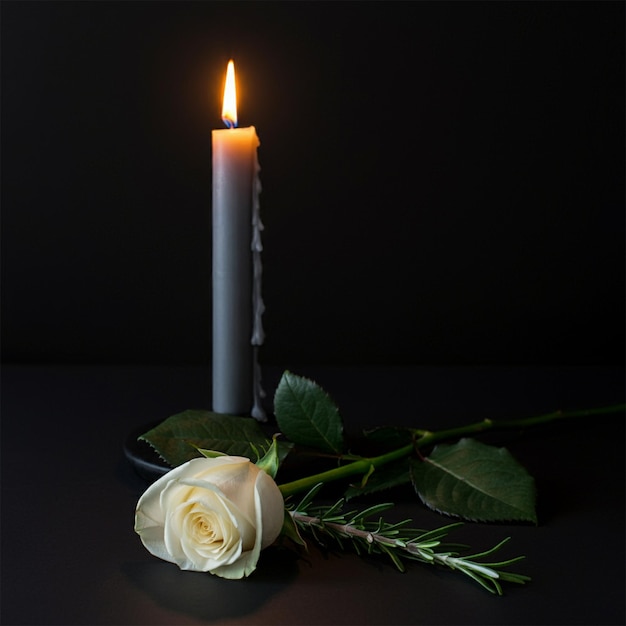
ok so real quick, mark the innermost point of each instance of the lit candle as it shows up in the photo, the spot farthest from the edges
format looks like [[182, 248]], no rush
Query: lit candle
[[237, 303]]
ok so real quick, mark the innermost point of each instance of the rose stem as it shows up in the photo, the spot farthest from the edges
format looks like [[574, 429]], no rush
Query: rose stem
[[426, 438]]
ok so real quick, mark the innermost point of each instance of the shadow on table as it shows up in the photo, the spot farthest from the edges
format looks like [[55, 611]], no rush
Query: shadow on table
[[208, 597]]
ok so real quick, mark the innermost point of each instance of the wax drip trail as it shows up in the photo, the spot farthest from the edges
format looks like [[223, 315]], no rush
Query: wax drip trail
[[258, 307]]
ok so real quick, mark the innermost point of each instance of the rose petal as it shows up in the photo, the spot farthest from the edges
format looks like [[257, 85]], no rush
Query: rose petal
[[226, 545], [273, 508]]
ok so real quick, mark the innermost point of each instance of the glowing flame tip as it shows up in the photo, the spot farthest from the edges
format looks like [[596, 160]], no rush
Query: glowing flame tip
[[229, 106]]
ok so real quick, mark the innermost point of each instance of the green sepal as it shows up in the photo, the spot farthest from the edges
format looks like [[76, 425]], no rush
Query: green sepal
[[291, 531], [270, 462], [209, 454]]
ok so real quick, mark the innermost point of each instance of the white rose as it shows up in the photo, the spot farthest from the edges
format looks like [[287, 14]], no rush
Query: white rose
[[211, 515]]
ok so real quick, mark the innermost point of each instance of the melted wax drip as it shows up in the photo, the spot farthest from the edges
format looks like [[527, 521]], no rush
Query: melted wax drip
[[258, 334]]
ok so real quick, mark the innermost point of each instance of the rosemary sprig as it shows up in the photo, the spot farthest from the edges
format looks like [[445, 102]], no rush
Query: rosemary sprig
[[367, 532]]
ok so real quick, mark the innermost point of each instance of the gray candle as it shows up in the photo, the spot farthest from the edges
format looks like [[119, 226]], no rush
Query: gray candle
[[236, 269]]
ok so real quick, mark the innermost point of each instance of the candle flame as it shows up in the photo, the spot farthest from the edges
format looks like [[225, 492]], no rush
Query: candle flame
[[229, 107]]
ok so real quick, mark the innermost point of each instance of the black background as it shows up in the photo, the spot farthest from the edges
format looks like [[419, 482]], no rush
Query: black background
[[442, 182]]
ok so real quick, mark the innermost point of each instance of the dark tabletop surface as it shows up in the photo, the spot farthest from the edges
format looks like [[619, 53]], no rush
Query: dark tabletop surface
[[70, 555]]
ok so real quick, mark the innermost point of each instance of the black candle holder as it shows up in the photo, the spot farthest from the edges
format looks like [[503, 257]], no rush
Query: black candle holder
[[143, 457]]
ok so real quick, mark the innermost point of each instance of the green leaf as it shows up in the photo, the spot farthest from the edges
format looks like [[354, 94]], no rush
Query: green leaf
[[476, 482], [306, 415], [386, 477], [178, 438]]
